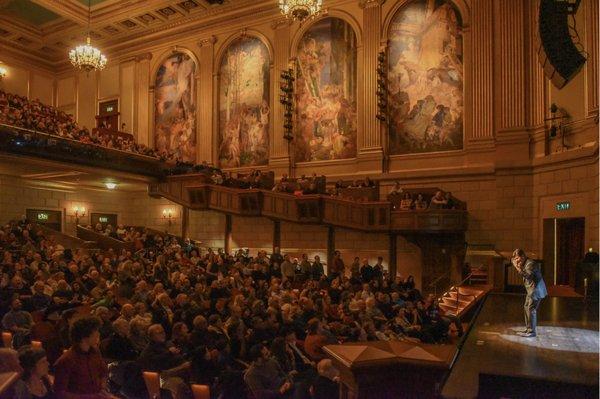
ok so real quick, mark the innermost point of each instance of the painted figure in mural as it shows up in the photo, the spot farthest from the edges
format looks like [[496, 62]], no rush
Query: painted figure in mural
[[425, 78], [175, 109], [244, 109], [326, 92]]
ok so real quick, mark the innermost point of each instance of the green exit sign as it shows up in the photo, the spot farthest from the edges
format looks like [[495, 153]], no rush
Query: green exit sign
[[42, 216], [563, 206], [103, 219]]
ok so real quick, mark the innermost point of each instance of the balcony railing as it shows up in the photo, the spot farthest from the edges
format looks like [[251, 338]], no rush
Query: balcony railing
[[20, 141]]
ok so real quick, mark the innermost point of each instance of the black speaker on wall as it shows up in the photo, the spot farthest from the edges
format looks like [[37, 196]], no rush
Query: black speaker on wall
[[558, 54]]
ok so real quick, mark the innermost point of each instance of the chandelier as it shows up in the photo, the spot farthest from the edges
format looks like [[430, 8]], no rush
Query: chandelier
[[300, 9], [86, 57]]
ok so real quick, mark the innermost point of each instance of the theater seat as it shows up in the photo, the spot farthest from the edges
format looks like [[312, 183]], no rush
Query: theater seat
[[36, 344], [152, 381], [200, 391], [7, 339]]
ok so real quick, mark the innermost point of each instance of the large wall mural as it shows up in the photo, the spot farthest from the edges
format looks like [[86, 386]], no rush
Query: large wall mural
[[326, 121], [244, 104], [425, 78], [175, 107]]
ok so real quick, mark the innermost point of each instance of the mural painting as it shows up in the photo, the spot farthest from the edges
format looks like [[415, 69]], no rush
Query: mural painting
[[175, 107], [425, 78], [244, 104], [326, 118]]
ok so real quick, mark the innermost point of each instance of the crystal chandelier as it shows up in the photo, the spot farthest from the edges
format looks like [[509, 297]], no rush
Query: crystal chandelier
[[300, 9], [86, 57]]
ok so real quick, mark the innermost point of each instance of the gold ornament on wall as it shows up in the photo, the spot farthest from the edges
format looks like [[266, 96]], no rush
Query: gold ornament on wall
[[300, 9]]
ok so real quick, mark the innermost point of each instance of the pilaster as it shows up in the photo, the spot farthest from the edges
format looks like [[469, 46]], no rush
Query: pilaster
[[144, 100], [206, 142], [279, 157], [370, 150]]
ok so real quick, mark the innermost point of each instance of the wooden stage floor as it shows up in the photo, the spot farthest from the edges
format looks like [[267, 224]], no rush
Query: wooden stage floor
[[565, 350]]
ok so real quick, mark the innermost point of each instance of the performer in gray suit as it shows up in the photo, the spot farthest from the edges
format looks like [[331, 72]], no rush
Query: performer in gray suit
[[535, 287]]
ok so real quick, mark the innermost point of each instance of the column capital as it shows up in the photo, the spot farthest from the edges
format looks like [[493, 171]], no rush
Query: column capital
[[143, 57], [370, 3], [280, 23], [209, 41]]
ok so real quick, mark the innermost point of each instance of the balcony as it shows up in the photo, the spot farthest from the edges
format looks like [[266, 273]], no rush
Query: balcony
[[194, 192], [19, 141]]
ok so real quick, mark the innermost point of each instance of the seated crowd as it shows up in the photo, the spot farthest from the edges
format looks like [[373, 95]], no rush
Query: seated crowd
[[408, 201], [245, 326], [122, 233], [302, 185], [21, 112]]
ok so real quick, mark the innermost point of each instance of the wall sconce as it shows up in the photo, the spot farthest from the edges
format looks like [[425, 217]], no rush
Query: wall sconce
[[3, 71], [167, 214], [286, 98], [79, 213], [381, 87]]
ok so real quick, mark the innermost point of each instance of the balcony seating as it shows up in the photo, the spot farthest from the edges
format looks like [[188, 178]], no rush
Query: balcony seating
[[192, 191]]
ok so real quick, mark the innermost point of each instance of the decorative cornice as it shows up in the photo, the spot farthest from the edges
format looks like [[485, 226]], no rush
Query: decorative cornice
[[370, 3], [209, 41], [280, 23], [143, 57]]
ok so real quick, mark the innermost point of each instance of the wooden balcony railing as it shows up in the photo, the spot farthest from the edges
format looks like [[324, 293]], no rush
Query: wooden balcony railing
[[195, 193], [104, 242]]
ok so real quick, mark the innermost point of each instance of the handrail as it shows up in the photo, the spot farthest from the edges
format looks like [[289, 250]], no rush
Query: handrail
[[54, 136]]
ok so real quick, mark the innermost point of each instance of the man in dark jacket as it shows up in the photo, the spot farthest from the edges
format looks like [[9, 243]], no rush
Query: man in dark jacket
[[535, 287]]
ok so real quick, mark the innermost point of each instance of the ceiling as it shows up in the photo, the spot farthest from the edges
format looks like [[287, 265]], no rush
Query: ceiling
[[47, 29], [70, 178]]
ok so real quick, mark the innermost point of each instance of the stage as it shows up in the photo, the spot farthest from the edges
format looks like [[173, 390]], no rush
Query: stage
[[562, 358]]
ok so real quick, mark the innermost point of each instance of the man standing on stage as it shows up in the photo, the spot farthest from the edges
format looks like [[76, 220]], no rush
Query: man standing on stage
[[535, 287]]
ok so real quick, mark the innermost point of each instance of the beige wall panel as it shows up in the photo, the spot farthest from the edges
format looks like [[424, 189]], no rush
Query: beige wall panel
[[65, 88], [127, 95], [16, 80], [254, 233], [86, 100], [42, 88], [108, 83], [207, 227]]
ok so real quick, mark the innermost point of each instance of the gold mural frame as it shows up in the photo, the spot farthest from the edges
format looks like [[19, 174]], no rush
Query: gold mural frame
[[151, 96], [218, 58], [465, 14], [360, 92]]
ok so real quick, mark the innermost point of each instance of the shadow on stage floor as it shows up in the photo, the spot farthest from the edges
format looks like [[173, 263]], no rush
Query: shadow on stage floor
[[561, 360]]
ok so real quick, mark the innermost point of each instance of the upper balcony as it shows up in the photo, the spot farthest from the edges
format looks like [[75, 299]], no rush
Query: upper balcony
[[20, 141]]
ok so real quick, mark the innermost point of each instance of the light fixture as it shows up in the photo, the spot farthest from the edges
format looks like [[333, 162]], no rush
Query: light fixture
[[86, 57], [167, 214], [110, 185], [300, 9], [2, 71], [79, 213]]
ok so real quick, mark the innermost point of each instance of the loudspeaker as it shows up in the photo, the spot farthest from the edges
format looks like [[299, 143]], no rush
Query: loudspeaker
[[557, 53]]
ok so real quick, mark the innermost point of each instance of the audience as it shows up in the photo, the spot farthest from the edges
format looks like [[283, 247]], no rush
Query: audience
[[35, 383], [200, 316], [21, 112]]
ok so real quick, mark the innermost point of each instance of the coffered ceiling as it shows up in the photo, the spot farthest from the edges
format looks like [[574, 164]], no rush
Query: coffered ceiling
[[46, 29]]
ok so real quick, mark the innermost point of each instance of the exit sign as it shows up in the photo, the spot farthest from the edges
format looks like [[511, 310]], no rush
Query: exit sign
[[103, 219], [42, 216], [563, 206]]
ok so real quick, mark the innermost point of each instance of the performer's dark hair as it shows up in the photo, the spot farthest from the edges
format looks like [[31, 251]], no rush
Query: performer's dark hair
[[519, 252]]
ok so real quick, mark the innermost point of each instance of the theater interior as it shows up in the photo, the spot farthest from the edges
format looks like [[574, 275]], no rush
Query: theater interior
[[298, 199]]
